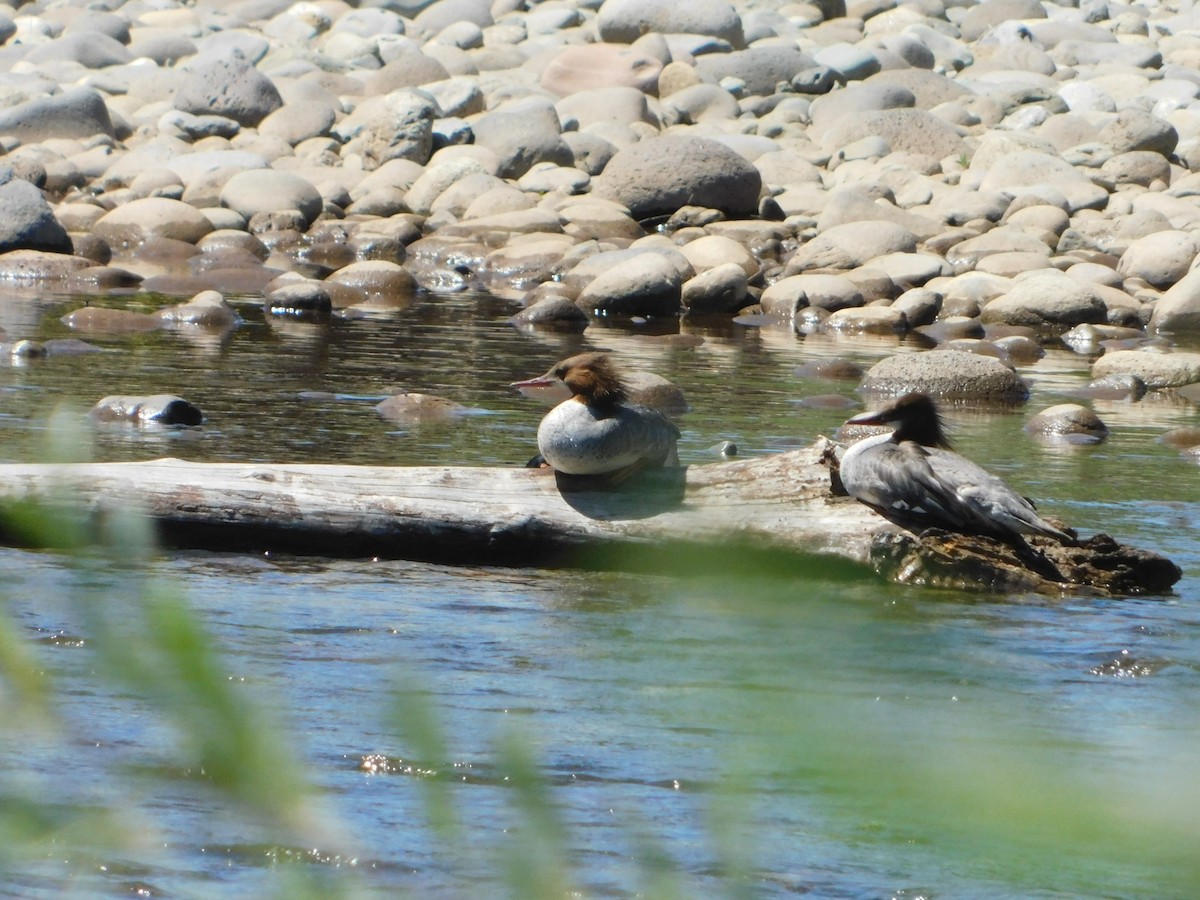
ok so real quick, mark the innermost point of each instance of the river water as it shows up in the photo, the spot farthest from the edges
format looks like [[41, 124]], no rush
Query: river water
[[752, 732]]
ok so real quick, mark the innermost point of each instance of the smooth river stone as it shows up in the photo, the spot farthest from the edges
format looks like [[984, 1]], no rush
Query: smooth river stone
[[947, 374], [1160, 259], [270, 190], [657, 176], [1047, 301], [1068, 422], [229, 87], [152, 217], [75, 113], [625, 21], [27, 221]]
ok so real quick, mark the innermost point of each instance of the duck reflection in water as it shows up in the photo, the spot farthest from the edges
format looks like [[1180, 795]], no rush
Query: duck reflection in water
[[910, 474]]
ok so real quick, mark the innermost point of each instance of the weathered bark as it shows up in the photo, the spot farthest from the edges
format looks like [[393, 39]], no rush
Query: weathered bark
[[781, 506]]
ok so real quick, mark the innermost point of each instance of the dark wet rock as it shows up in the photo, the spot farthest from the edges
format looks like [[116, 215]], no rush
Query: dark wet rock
[[27, 221], [953, 328], [1124, 386], [230, 87], [22, 350], [104, 278], [1156, 369], [414, 408], [980, 346], [376, 276], [1068, 422], [1183, 437], [206, 309], [919, 305], [158, 409], [946, 374], [657, 176], [70, 347], [1178, 310], [104, 320], [301, 299], [721, 289], [558, 313], [78, 113], [1090, 338], [1019, 348], [867, 320], [653, 390]]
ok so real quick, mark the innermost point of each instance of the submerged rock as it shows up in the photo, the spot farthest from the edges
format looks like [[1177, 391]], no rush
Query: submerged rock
[[158, 409]]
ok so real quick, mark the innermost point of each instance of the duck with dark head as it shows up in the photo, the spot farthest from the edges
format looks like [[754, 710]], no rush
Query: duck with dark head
[[598, 430], [911, 474]]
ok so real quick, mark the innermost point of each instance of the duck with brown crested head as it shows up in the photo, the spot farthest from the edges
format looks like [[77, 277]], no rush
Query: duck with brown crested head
[[911, 473], [598, 430]]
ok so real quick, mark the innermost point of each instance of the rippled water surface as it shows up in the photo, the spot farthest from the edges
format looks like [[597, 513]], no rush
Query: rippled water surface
[[799, 731]]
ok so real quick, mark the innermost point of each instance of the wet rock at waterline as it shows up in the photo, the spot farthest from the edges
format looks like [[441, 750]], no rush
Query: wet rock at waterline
[[1069, 423], [411, 407], [158, 409], [948, 375]]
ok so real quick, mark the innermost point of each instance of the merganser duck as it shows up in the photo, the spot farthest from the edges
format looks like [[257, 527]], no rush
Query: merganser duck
[[912, 474], [598, 431]]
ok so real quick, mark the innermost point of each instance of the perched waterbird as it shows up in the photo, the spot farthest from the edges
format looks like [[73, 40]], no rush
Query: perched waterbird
[[598, 430], [912, 473]]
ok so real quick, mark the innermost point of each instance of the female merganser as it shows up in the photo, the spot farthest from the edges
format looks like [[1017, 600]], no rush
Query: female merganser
[[598, 431], [911, 473]]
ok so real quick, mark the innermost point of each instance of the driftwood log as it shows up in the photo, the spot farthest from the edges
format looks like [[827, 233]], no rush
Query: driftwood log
[[778, 509]]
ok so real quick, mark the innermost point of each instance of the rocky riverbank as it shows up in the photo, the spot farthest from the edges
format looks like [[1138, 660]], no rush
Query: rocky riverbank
[[993, 175]]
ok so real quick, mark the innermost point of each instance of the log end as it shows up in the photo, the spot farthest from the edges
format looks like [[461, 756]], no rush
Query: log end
[[1098, 565]]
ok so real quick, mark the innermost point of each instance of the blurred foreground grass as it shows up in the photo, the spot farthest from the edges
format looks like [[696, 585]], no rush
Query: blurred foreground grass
[[1035, 810]]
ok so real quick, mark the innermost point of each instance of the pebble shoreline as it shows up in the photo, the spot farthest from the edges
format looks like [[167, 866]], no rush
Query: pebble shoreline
[[993, 174]]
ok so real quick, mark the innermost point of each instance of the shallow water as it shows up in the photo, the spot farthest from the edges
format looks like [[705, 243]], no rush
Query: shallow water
[[766, 733]]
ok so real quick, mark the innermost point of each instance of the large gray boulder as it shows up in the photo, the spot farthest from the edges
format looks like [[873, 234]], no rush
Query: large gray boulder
[[75, 114], [657, 176], [27, 222], [230, 87], [947, 374]]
